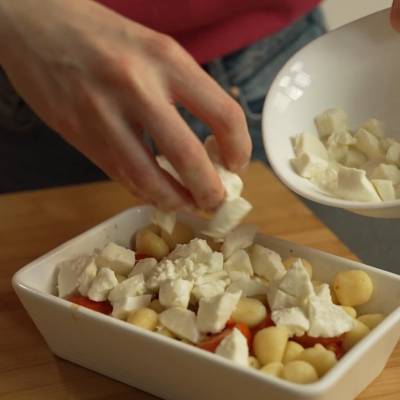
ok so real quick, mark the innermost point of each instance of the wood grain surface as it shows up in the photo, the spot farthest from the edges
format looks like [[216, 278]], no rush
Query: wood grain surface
[[33, 223]]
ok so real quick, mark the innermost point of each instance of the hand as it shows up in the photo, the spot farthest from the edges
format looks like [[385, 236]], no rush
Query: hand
[[395, 15], [100, 80]]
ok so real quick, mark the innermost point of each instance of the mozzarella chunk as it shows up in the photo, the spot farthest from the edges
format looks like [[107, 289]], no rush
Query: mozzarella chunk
[[375, 127], [326, 179], [354, 185], [208, 289], [239, 261], [341, 138], [368, 144], [307, 165], [181, 322], [327, 319], [175, 293], [234, 347], [296, 282], [385, 189], [338, 152], [266, 263], [134, 286], [386, 171], [214, 312], [354, 158], [393, 153], [278, 299], [293, 319], [331, 121], [231, 182], [306, 143], [227, 217], [249, 287], [209, 278], [118, 258], [198, 251], [69, 272], [163, 219], [126, 305], [86, 277], [323, 291], [144, 266], [240, 238], [168, 167], [102, 284]]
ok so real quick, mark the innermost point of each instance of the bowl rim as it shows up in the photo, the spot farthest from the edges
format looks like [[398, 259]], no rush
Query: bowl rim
[[316, 388], [321, 198]]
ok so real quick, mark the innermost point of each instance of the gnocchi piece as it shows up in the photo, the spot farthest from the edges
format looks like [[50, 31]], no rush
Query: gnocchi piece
[[292, 352], [146, 318], [273, 368], [288, 262], [270, 343], [181, 234], [299, 371], [156, 306], [350, 311], [254, 363], [320, 358], [371, 320], [150, 244], [249, 311], [153, 228], [353, 288], [358, 332]]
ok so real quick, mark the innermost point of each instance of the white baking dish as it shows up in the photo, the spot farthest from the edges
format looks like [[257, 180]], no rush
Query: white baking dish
[[174, 370]]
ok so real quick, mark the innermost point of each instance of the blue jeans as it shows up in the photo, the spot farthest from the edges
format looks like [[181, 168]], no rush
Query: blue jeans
[[248, 73]]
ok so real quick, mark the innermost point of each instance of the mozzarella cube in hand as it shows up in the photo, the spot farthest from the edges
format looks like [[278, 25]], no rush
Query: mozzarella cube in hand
[[266, 263], [163, 219], [227, 217], [181, 322], [118, 258], [331, 121], [241, 237], [175, 293], [214, 312], [234, 347], [102, 284], [231, 182]]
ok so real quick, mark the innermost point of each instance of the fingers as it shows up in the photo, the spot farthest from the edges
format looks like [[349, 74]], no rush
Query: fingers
[[207, 100], [395, 15], [118, 148], [176, 141]]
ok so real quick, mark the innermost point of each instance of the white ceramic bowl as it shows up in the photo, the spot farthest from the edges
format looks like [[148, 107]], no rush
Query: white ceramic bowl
[[356, 68], [174, 370]]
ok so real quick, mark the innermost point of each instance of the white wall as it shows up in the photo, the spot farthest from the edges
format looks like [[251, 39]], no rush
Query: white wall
[[340, 12]]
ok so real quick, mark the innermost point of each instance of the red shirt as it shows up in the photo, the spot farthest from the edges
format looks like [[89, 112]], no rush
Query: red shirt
[[212, 28]]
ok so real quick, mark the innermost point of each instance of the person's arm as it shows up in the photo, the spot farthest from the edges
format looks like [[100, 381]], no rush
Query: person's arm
[[100, 80]]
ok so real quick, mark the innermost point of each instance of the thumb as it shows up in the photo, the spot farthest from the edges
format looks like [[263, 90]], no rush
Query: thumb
[[395, 15]]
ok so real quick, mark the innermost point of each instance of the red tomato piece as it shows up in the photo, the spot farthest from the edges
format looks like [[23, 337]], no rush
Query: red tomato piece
[[266, 323], [140, 256], [103, 307], [335, 343], [212, 341]]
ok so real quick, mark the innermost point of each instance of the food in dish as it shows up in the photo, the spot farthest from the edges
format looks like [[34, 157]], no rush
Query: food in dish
[[360, 165]]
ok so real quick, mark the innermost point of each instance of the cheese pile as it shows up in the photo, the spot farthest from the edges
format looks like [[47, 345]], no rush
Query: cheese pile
[[228, 215], [360, 166], [199, 289]]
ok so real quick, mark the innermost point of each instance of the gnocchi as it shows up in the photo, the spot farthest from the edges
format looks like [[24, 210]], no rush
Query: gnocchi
[[147, 242], [146, 318], [299, 372], [273, 368], [353, 288], [270, 343], [249, 311]]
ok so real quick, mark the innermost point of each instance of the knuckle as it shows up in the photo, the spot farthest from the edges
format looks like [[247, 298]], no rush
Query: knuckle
[[164, 46]]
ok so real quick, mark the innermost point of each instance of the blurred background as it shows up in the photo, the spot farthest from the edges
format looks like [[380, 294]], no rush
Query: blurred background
[[32, 157]]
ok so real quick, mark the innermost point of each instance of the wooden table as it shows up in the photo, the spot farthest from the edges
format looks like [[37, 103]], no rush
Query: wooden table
[[33, 223]]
